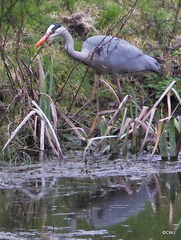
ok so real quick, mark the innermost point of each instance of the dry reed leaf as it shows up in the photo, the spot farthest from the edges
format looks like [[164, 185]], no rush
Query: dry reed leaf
[[44, 117], [145, 126], [177, 95], [18, 128], [90, 141], [169, 103], [148, 128], [105, 134], [120, 107], [73, 127], [42, 138], [42, 135], [168, 93], [54, 115], [158, 138], [41, 74], [125, 144], [138, 120], [122, 124], [143, 112], [159, 128], [159, 100], [95, 123], [50, 142], [179, 137], [98, 118], [53, 110], [125, 126], [112, 90], [35, 127]]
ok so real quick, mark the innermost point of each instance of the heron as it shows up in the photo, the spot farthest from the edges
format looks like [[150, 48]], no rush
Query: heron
[[106, 54]]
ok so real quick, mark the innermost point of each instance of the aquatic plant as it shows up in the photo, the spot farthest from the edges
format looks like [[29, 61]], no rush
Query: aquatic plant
[[46, 129], [160, 131]]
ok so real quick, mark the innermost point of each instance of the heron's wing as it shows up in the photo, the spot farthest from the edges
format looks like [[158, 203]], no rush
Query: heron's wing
[[114, 55], [107, 46], [123, 57]]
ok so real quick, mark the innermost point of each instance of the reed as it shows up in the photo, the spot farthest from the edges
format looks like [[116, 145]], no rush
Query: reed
[[159, 130], [43, 118]]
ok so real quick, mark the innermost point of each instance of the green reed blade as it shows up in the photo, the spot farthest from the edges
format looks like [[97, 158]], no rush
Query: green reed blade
[[172, 139]]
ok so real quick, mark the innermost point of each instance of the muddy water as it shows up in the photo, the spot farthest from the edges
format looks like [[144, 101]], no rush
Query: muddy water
[[105, 200]]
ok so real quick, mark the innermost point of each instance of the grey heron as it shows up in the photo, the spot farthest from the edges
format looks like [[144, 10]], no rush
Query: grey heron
[[106, 54]]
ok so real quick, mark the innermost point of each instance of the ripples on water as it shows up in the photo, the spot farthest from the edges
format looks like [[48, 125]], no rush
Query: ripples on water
[[107, 200]]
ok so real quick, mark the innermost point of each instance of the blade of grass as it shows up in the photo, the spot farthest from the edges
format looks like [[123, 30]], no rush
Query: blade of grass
[[177, 123], [125, 144], [41, 75], [179, 137], [50, 91], [114, 148], [172, 140], [103, 128], [163, 146]]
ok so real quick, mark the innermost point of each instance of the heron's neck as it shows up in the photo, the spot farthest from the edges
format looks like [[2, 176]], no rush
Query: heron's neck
[[80, 56]]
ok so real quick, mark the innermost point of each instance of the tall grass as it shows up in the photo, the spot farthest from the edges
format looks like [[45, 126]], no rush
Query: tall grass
[[46, 113]]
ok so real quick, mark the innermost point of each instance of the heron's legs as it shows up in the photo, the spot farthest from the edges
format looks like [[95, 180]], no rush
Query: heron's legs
[[93, 93], [120, 93]]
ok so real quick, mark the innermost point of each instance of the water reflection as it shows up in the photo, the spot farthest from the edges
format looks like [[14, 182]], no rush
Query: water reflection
[[113, 207], [118, 205]]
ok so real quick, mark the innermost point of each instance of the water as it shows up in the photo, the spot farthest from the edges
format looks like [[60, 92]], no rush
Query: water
[[42, 202]]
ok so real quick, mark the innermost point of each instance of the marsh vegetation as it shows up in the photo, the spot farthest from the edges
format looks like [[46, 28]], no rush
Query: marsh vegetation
[[106, 186], [41, 90]]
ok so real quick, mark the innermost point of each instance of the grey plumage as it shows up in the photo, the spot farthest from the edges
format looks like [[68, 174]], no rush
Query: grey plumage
[[106, 54], [116, 56]]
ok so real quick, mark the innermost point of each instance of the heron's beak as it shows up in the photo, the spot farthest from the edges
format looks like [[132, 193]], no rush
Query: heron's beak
[[42, 40]]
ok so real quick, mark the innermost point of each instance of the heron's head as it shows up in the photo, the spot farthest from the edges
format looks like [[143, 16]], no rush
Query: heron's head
[[53, 31]]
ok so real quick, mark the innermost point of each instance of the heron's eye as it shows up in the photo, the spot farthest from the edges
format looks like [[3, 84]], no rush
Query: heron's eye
[[57, 25]]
